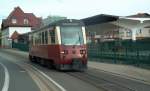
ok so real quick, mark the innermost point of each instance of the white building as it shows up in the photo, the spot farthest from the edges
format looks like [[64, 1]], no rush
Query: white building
[[20, 22], [134, 27], [107, 27]]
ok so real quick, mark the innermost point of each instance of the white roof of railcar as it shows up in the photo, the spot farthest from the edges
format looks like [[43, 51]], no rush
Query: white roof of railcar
[[64, 22]]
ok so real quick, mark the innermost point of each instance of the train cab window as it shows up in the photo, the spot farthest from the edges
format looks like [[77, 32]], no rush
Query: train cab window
[[52, 36], [71, 35]]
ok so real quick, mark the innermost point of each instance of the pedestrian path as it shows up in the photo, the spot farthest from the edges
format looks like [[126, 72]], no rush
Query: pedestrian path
[[128, 71]]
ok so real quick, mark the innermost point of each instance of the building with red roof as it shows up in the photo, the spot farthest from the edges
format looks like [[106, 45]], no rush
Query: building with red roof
[[20, 22]]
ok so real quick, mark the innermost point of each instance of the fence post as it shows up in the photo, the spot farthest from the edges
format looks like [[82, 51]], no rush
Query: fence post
[[138, 60], [115, 56], [126, 54]]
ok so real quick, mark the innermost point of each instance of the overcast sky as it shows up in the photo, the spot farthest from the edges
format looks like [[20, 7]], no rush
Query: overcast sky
[[75, 8]]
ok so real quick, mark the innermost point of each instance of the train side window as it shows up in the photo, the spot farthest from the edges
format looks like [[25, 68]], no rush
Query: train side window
[[52, 36], [36, 38], [42, 37], [46, 37], [31, 39], [39, 38]]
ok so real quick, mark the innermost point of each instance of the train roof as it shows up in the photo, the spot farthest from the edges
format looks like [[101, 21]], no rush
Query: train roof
[[61, 22], [64, 22]]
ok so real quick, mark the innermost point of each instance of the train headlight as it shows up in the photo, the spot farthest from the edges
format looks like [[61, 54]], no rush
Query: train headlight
[[82, 51], [64, 52]]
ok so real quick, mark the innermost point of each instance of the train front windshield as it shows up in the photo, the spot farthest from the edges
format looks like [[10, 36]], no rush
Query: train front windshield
[[71, 35]]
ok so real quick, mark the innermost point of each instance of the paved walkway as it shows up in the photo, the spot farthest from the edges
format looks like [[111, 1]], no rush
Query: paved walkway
[[128, 71]]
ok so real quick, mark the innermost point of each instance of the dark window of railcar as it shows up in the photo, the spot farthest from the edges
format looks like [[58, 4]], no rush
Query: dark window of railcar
[[42, 37], [31, 40], [39, 36], [46, 36], [36, 39], [52, 35]]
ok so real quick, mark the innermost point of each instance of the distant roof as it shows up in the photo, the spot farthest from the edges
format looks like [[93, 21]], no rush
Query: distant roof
[[19, 15], [102, 18], [15, 35], [51, 19], [140, 15]]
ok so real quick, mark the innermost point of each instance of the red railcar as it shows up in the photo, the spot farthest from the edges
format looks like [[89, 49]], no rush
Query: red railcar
[[61, 44]]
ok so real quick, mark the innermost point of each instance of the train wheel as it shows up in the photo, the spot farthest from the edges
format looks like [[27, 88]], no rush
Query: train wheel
[[49, 64], [42, 62], [31, 59], [37, 60], [59, 67]]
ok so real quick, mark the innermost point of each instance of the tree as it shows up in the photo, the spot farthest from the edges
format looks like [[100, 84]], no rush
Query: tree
[[0, 36], [52, 18]]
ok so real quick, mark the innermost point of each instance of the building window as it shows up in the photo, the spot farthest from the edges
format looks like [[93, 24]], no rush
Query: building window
[[129, 33], [140, 31], [92, 34], [26, 21], [14, 21], [121, 33]]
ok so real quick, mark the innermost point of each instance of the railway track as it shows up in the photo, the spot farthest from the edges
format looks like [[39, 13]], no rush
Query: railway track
[[44, 82], [100, 82], [106, 81]]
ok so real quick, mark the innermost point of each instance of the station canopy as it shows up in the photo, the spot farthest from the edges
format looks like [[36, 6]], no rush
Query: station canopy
[[98, 19]]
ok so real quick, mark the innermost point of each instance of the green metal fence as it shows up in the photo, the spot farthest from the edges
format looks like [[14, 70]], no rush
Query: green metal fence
[[20, 46], [128, 51]]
